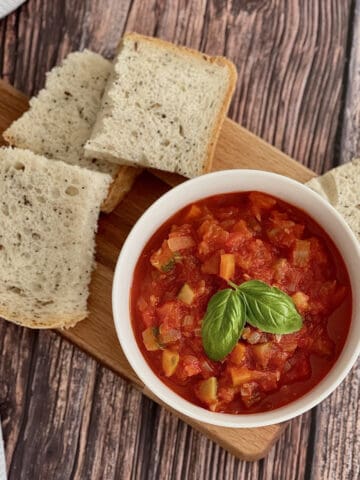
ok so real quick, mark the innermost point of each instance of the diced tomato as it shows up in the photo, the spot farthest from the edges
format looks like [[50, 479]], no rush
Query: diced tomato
[[250, 394], [281, 269], [282, 231], [238, 236], [211, 264], [301, 301], [290, 342], [149, 317], [267, 380], [318, 251], [213, 237], [260, 202], [263, 352], [301, 253], [227, 394], [297, 368], [189, 366], [167, 334], [171, 313]]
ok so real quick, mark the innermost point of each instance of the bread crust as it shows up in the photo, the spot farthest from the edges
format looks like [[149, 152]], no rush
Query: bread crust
[[119, 187], [218, 60], [57, 321]]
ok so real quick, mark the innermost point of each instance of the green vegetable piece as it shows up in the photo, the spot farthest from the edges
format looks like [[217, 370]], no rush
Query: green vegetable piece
[[186, 294], [223, 323], [269, 309], [168, 266]]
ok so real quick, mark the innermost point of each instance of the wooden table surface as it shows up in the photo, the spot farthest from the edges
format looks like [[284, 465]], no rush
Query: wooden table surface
[[65, 416]]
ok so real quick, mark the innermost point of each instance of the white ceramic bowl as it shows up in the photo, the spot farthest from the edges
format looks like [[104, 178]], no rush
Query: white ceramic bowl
[[224, 182]]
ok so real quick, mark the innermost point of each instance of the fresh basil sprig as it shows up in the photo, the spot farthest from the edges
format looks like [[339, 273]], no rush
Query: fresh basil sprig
[[269, 309], [254, 302], [223, 323]]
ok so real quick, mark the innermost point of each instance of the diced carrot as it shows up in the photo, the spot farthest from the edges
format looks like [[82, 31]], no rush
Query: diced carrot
[[170, 361], [240, 375], [238, 355], [194, 212], [227, 266]]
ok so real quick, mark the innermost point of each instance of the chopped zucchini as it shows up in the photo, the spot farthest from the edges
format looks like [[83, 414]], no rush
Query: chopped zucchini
[[150, 339], [186, 294], [263, 352], [206, 390], [166, 267], [170, 361]]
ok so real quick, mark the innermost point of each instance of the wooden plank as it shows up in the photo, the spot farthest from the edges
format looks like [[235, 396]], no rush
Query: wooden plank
[[281, 49], [338, 434]]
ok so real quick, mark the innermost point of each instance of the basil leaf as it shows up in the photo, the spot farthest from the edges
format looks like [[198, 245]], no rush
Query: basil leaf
[[223, 323], [269, 309]]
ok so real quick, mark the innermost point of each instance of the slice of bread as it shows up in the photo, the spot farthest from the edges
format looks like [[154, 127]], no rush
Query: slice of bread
[[48, 219], [341, 187], [163, 107], [61, 117]]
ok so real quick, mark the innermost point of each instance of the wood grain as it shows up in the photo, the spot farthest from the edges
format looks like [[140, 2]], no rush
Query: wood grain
[[290, 57], [97, 335], [340, 433]]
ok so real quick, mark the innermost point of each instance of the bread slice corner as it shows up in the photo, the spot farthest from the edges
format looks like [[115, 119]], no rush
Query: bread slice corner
[[48, 220], [61, 117], [163, 107], [340, 187]]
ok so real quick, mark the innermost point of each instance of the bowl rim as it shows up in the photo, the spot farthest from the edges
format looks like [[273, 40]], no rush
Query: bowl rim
[[124, 328]]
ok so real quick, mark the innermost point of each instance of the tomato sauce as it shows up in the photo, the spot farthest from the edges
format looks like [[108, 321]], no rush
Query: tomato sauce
[[239, 237]]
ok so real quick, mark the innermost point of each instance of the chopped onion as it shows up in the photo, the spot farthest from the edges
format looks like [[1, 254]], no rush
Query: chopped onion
[[180, 243]]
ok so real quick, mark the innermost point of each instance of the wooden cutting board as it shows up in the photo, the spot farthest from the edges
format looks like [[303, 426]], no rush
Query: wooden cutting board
[[237, 148]]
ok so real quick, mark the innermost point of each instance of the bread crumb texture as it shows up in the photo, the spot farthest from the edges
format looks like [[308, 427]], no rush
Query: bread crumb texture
[[163, 107], [341, 187], [61, 117], [48, 219]]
